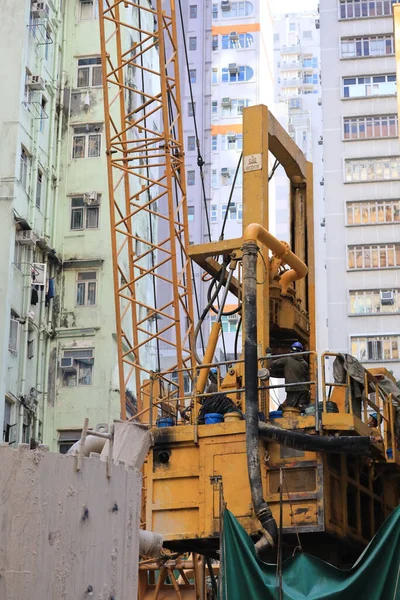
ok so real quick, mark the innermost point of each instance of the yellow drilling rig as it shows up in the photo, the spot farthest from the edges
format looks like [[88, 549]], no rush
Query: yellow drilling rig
[[311, 469]]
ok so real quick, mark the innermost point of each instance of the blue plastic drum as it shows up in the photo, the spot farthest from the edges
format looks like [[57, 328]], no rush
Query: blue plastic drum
[[166, 422], [211, 418]]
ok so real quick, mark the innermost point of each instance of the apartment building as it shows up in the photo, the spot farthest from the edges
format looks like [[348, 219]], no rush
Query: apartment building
[[57, 305], [297, 65], [362, 172], [229, 47]]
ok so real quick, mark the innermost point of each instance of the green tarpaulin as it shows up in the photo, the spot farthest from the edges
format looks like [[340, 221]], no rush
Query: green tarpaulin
[[375, 576]]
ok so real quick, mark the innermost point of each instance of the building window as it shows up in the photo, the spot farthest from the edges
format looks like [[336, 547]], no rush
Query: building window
[[89, 72], [356, 9], [214, 75], [363, 87], [18, 254], [193, 43], [232, 212], [13, 338], [307, 35], [295, 103], [372, 169], [372, 302], [190, 213], [228, 324], [86, 288], [215, 42], [24, 167], [379, 256], [235, 74], [191, 175], [236, 9], [214, 213], [292, 26], [214, 178], [376, 348], [192, 75], [86, 141], [191, 108], [39, 183], [89, 10], [214, 108], [367, 46], [84, 215], [214, 143], [232, 141], [9, 428], [193, 11], [191, 143], [363, 128], [215, 11], [237, 41], [67, 438], [373, 212], [77, 366]]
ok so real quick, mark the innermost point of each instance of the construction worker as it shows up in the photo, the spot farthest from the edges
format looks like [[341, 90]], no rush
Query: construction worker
[[374, 420], [294, 369]]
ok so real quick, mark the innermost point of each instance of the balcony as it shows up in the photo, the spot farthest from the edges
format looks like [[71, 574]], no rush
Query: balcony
[[291, 65], [294, 82]]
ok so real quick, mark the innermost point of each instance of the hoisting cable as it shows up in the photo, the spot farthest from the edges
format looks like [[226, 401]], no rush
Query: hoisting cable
[[221, 237], [239, 326], [200, 160]]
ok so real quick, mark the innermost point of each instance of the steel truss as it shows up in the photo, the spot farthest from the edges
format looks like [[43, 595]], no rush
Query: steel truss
[[147, 190]]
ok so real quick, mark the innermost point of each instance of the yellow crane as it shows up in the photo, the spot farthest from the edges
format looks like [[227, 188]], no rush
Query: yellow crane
[[268, 478]]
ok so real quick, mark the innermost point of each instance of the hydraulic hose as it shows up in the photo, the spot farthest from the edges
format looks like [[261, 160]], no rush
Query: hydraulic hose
[[261, 508], [355, 445]]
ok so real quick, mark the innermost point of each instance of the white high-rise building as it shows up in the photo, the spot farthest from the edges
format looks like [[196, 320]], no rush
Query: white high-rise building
[[297, 66], [362, 177]]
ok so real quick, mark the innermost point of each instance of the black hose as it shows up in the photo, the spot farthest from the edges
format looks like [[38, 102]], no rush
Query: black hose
[[239, 325], [355, 445], [261, 508], [207, 308], [215, 310]]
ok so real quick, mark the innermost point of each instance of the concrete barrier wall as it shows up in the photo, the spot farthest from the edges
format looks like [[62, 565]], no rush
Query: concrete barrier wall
[[64, 534]]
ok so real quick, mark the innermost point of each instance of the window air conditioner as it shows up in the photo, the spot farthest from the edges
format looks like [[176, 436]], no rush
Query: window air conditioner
[[91, 198], [26, 237], [66, 363], [226, 102], [319, 101], [35, 82], [231, 137], [232, 206], [320, 141], [233, 36], [233, 317], [40, 10], [225, 172], [387, 297], [233, 68], [225, 5]]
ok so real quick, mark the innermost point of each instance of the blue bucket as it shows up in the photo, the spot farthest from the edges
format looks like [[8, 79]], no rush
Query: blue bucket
[[389, 452], [166, 422], [275, 414], [213, 418]]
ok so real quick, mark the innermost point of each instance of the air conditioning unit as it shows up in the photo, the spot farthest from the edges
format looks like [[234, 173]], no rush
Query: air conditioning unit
[[234, 36], [35, 82], [233, 317], [226, 102], [319, 101], [91, 198], [320, 141], [40, 10], [322, 182], [233, 68], [231, 137], [66, 363], [317, 25], [225, 5], [225, 172], [232, 206], [387, 297], [26, 237]]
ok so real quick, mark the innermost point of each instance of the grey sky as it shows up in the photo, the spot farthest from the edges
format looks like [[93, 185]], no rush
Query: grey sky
[[283, 6]]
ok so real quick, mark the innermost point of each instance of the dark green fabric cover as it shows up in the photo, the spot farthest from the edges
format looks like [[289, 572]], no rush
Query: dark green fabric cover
[[375, 575]]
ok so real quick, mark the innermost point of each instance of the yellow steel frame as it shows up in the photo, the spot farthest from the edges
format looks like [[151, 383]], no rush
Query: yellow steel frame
[[156, 191]]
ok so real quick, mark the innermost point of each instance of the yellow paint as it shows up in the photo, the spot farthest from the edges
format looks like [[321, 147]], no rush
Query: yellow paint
[[223, 129], [227, 29]]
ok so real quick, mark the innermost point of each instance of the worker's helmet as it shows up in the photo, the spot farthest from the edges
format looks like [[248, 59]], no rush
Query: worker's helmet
[[297, 347], [214, 370]]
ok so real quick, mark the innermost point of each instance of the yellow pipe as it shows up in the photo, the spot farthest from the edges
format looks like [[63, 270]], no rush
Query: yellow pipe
[[208, 357], [255, 232]]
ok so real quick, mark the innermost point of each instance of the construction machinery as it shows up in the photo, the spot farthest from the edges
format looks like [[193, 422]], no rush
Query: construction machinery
[[309, 477]]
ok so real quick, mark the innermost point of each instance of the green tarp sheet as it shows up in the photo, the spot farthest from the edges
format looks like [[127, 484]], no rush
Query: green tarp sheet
[[375, 575]]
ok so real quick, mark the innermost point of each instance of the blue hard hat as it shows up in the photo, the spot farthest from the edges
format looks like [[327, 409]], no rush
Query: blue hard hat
[[375, 416], [297, 347], [214, 370]]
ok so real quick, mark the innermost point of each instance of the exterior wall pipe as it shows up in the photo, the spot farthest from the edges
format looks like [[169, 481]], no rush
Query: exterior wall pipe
[[261, 508], [256, 232]]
